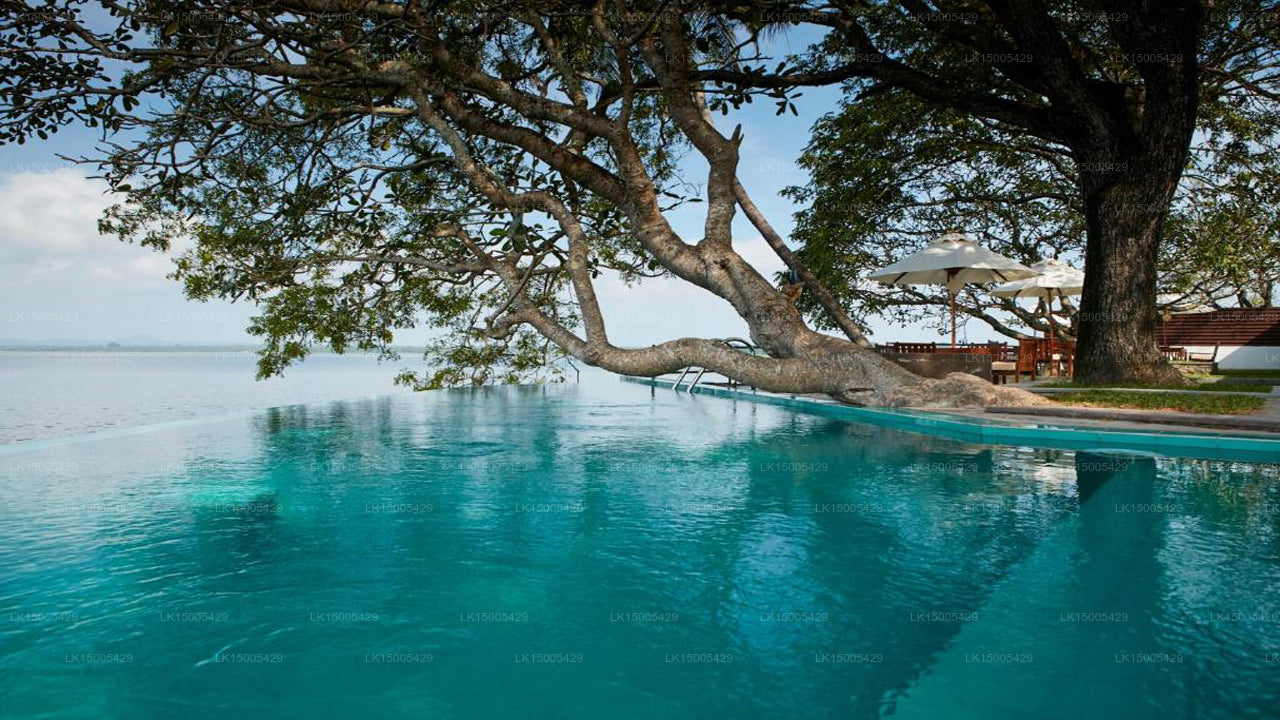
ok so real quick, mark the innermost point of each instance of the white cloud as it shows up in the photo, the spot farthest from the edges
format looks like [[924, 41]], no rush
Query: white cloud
[[56, 265], [152, 266], [64, 280], [48, 267], [49, 229], [49, 215]]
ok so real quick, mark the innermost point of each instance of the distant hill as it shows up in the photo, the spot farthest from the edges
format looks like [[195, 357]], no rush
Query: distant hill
[[143, 343], [131, 341], [134, 344]]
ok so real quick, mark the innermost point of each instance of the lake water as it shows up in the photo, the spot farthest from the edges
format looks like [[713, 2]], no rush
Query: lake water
[[55, 394], [605, 550]]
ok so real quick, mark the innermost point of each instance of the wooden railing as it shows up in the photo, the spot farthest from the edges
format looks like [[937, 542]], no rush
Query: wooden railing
[[1251, 326], [991, 348]]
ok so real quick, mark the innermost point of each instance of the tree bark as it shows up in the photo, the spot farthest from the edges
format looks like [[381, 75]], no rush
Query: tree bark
[[811, 281], [1131, 157], [800, 360], [1118, 320]]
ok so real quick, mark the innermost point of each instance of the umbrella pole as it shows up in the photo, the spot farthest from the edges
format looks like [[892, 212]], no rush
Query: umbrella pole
[[953, 318], [1052, 332]]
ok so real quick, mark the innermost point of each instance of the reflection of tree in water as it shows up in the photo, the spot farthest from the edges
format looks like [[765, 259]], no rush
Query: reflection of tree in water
[[1116, 568], [1245, 495], [1133, 576], [1220, 555], [1169, 543], [720, 531], [924, 539], [938, 522], [913, 524]]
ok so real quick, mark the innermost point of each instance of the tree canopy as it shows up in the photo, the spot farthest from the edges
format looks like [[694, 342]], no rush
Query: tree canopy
[[357, 167], [889, 171], [1048, 129]]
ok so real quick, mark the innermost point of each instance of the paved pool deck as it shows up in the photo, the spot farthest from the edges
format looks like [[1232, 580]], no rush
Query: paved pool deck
[[1264, 423], [1259, 425], [1028, 429]]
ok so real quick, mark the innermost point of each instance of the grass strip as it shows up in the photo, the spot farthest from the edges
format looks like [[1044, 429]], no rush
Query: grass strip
[[1178, 402], [1252, 374], [1218, 386]]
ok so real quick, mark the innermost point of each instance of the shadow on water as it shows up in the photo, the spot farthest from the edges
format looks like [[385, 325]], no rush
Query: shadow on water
[[1110, 618]]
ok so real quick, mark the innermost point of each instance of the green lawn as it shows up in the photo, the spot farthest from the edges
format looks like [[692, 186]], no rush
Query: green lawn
[[1215, 386], [1181, 402], [1250, 373]]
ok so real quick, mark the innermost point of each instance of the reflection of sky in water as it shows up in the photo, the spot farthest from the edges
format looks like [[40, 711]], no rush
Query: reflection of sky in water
[[773, 537]]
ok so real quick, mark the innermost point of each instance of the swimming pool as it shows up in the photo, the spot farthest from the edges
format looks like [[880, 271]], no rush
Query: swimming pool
[[614, 550]]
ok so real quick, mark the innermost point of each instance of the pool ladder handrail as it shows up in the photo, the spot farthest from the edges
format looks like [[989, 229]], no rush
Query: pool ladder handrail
[[731, 342]]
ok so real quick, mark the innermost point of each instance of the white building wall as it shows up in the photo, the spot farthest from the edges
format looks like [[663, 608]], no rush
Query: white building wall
[[1241, 357]]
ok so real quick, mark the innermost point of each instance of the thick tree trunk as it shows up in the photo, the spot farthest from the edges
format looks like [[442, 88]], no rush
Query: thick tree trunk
[[1130, 162], [819, 364], [1127, 186], [1118, 318]]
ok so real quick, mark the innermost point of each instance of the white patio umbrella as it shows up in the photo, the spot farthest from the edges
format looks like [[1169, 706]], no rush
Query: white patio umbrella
[[955, 261], [1056, 279]]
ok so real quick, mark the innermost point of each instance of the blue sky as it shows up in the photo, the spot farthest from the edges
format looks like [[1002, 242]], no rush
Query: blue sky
[[64, 281]]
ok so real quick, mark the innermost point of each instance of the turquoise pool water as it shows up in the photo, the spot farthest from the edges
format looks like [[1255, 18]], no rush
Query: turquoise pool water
[[618, 551]]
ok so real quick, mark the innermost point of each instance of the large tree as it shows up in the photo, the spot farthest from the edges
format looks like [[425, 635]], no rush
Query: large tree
[[889, 171], [1115, 84], [355, 165], [359, 167]]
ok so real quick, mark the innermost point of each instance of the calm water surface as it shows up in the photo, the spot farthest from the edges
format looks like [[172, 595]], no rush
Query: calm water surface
[[608, 550], [55, 394]]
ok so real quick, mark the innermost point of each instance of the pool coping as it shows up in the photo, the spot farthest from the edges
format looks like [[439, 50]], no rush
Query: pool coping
[[1247, 423], [991, 432]]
